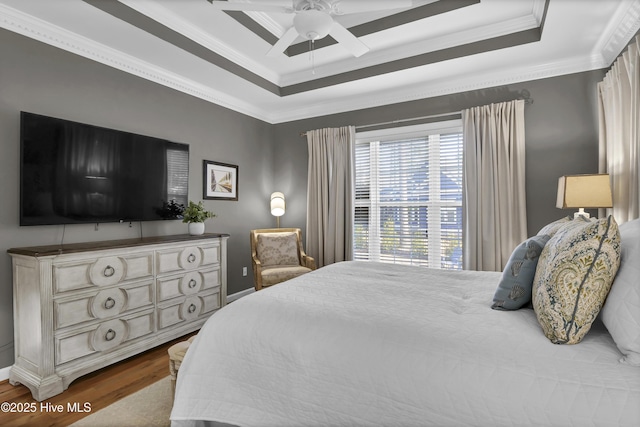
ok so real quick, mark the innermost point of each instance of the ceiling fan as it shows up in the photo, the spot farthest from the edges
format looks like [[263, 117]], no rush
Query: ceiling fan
[[313, 19]]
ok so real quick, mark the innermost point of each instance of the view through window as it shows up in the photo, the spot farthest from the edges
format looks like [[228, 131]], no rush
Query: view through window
[[408, 198]]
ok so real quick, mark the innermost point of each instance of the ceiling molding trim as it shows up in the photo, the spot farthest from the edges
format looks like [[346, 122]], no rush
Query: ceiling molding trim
[[619, 33], [453, 41], [434, 89], [42, 31], [162, 16], [481, 46], [394, 20], [133, 17], [263, 19]]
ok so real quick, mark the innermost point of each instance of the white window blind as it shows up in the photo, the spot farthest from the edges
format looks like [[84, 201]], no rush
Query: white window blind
[[408, 201]]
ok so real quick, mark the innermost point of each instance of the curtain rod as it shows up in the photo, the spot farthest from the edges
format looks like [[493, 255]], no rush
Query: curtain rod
[[527, 100]]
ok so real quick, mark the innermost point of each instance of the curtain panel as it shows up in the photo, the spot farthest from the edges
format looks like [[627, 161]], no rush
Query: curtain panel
[[619, 138], [494, 208], [330, 192]]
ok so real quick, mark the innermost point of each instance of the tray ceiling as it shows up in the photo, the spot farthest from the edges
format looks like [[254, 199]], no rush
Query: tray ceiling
[[433, 48]]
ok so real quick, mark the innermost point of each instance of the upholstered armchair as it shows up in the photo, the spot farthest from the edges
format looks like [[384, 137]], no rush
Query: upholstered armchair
[[277, 255]]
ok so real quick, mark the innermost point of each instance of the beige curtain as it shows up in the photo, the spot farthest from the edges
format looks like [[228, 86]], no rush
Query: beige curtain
[[619, 116], [330, 194], [494, 207]]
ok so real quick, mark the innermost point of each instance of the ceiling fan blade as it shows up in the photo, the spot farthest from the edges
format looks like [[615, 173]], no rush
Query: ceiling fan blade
[[348, 40], [345, 7], [284, 42], [274, 7]]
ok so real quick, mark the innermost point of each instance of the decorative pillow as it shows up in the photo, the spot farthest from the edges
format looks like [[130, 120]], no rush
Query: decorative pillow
[[574, 275], [514, 289], [277, 248], [568, 221], [621, 311]]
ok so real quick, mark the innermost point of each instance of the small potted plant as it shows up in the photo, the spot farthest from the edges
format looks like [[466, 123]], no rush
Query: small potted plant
[[195, 215]]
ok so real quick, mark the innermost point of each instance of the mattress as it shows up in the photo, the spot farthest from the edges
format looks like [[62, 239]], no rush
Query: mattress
[[371, 344]]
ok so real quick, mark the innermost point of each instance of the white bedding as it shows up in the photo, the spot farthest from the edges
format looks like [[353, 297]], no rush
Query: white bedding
[[367, 344]]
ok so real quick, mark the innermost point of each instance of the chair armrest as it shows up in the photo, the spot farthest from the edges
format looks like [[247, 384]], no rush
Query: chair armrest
[[309, 262]]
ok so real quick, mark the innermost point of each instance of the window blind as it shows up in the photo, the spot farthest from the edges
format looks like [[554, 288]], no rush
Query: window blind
[[408, 199]]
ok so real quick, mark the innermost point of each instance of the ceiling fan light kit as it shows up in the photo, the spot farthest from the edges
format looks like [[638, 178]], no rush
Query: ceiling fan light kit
[[313, 19], [312, 24]]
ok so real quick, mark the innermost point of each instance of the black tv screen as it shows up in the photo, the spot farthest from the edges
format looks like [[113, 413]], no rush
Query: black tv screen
[[78, 173]]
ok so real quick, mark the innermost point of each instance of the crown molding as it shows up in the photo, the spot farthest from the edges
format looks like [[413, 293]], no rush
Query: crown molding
[[37, 29], [619, 32], [448, 87], [375, 58], [163, 16]]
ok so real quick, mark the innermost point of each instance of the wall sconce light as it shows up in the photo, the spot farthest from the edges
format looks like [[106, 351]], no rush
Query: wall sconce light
[[584, 191], [277, 206]]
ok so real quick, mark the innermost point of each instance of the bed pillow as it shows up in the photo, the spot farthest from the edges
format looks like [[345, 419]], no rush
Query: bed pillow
[[574, 275], [277, 248], [514, 289], [567, 222], [621, 311]]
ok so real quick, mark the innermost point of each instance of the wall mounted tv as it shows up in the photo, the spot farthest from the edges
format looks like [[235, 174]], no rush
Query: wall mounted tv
[[75, 173]]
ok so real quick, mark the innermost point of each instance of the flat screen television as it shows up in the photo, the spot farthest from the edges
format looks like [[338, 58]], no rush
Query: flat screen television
[[73, 173]]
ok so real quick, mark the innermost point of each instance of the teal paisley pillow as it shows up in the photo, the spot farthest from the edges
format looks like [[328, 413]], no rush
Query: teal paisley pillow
[[514, 289], [574, 275]]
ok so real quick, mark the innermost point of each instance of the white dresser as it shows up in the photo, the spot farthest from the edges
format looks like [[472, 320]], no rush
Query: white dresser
[[80, 307]]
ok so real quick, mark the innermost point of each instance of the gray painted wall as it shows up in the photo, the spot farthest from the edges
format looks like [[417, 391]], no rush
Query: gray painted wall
[[41, 79], [561, 129]]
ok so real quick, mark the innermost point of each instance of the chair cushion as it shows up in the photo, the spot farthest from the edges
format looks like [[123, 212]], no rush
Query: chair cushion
[[277, 249], [276, 274], [573, 277]]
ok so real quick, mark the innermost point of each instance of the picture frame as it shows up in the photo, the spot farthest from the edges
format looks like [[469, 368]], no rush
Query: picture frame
[[220, 181]]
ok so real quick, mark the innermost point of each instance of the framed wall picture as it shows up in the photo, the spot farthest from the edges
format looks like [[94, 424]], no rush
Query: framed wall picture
[[220, 181]]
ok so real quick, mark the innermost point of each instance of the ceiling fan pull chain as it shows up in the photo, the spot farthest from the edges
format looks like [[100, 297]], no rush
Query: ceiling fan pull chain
[[312, 56]]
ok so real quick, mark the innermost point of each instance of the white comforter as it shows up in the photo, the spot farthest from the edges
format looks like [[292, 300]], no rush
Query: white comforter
[[367, 344]]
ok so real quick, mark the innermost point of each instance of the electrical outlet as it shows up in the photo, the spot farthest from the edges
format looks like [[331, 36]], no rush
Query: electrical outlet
[[244, 271]]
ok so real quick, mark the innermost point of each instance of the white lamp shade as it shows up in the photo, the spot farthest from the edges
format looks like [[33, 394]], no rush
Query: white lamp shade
[[277, 204], [584, 191]]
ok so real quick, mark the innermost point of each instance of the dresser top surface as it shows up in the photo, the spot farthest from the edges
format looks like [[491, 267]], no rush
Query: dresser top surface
[[48, 250]]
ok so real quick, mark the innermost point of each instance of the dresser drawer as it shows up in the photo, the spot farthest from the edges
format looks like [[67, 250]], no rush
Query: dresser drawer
[[103, 271], [102, 337], [187, 258], [188, 309], [169, 287], [103, 304]]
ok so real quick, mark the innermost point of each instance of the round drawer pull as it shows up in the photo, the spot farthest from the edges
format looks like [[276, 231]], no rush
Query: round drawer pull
[[110, 335], [109, 303], [108, 271], [192, 283], [192, 308], [191, 258]]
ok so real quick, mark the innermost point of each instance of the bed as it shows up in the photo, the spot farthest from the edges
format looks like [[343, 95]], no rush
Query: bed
[[371, 344]]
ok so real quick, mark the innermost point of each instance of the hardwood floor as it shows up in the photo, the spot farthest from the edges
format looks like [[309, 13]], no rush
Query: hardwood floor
[[98, 389]]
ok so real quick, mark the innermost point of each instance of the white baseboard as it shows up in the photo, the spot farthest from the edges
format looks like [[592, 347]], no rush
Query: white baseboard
[[4, 372], [238, 295]]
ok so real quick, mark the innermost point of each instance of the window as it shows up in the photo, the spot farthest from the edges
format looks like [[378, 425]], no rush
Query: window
[[408, 198]]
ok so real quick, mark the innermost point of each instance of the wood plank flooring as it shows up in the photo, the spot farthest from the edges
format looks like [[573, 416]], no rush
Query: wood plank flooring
[[99, 389]]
